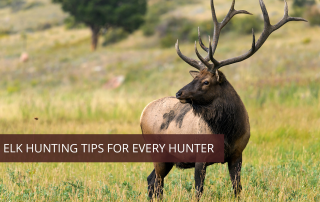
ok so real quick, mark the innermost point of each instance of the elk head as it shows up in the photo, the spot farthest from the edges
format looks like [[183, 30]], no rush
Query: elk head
[[208, 80]]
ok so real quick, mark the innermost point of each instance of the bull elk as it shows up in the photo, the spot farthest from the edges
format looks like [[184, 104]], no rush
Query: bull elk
[[207, 105]]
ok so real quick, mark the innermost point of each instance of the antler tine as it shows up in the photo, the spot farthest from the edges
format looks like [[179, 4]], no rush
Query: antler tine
[[213, 13], [218, 26], [203, 60], [268, 29], [216, 31], [208, 50], [242, 57], [232, 12], [214, 61], [200, 42], [265, 14], [212, 47], [196, 64], [286, 18]]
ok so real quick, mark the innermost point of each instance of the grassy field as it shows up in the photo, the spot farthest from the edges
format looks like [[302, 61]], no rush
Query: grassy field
[[63, 85]]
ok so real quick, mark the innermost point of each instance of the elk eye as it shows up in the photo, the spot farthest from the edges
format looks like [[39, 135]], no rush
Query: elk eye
[[206, 83]]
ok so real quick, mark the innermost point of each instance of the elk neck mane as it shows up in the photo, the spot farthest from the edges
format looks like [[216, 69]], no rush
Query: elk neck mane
[[225, 114]]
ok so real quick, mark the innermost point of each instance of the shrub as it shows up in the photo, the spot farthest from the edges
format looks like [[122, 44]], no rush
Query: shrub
[[186, 30], [302, 3], [298, 11], [33, 4], [155, 11], [312, 14], [244, 25], [173, 29], [17, 5], [206, 29], [168, 41], [5, 3], [300, 7], [114, 35], [150, 25], [71, 23], [153, 17], [306, 40], [5, 31]]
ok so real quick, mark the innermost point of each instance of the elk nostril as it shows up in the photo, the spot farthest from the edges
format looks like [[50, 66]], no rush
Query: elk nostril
[[178, 94]]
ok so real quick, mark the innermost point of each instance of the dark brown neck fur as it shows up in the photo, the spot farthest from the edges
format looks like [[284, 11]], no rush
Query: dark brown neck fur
[[225, 115]]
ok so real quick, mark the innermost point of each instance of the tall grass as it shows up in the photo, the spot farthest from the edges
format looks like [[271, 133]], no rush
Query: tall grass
[[63, 86], [280, 161]]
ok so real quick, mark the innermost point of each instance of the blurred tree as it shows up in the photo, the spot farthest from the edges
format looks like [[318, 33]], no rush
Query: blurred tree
[[126, 14]]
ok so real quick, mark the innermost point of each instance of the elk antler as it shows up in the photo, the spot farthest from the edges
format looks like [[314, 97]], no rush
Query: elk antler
[[268, 29], [217, 28]]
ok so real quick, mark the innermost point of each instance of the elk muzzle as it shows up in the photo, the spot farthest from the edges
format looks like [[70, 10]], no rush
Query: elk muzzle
[[180, 95]]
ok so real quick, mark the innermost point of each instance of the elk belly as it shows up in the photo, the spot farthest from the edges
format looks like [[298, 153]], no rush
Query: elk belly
[[191, 148]]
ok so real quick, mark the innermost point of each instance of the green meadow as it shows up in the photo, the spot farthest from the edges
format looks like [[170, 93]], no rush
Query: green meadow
[[64, 85]]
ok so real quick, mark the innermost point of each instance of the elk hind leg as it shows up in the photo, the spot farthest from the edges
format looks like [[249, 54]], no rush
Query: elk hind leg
[[199, 177], [234, 167], [151, 180], [156, 179]]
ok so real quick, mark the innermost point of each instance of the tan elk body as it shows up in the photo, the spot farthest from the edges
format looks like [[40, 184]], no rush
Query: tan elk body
[[207, 105], [153, 117]]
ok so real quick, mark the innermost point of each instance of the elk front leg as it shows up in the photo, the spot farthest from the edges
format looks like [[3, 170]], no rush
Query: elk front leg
[[234, 171], [156, 179], [199, 176]]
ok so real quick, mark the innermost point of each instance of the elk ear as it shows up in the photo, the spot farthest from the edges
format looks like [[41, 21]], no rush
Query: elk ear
[[194, 73]]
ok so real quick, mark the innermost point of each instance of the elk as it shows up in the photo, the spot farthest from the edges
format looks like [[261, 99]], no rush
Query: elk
[[207, 105]]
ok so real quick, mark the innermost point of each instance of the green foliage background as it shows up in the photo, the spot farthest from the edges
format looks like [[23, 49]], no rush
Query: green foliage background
[[127, 14]]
